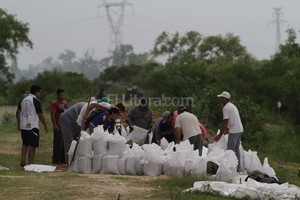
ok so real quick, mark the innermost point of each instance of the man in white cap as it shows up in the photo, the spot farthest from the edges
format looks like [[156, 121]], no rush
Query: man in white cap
[[232, 125]]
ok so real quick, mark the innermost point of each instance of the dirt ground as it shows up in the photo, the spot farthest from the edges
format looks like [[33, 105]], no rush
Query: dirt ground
[[75, 186]]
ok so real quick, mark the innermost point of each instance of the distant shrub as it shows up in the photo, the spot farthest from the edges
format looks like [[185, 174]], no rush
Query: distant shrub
[[8, 118]]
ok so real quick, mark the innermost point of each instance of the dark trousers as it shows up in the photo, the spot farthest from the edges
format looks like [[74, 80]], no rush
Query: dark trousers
[[58, 148], [197, 142]]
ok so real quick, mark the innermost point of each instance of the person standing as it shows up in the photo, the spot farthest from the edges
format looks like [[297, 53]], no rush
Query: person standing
[[141, 116], [232, 125], [69, 127], [58, 107], [187, 127], [29, 113], [100, 94]]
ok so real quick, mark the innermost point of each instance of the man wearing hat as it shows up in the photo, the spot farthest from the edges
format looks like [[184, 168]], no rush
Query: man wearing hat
[[232, 125], [187, 127], [164, 128]]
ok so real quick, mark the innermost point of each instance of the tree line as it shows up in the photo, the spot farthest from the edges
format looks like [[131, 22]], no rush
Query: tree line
[[194, 66]]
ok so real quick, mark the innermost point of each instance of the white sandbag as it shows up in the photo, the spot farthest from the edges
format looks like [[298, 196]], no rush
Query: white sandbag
[[84, 165], [153, 168], [130, 166], [189, 165], [85, 145], [268, 169], [109, 165], [96, 163], [216, 154], [164, 143], [242, 158], [222, 143], [170, 148], [137, 151], [252, 161], [166, 169], [116, 144], [152, 152], [204, 151], [228, 167], [73, 167], [200, 167], [139, 166], [100, 144], [184, 146], [176, 163], [121, 165], [37, 168], [230, 160], [123, 133], [138, 135], [71, 151]]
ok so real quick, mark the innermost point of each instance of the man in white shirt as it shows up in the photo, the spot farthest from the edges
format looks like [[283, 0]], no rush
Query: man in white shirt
[[232, 125], [29, 113], [187, 127]]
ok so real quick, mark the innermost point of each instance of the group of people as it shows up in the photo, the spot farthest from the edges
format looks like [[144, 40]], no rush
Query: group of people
[[175, 126]]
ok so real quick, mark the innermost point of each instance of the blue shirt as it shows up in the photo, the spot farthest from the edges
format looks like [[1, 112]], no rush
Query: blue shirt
[[100, 119]]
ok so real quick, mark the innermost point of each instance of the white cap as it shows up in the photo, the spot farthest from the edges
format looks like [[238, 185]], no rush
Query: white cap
[[105, 105], [224, 94]]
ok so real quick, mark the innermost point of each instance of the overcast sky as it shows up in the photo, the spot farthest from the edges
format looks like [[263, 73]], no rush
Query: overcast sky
[[80, 25]]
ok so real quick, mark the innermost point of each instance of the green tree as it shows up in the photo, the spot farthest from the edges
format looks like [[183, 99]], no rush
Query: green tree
[[13, 35]]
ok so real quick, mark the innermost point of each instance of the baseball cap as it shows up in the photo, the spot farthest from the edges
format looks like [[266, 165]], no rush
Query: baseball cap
[[224, 94], [166, 114], [104, 99]]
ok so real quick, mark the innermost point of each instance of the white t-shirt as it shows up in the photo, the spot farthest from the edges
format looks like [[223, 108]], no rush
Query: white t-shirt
[[231, 113], [189, 125], [30, 107], [82, 113]]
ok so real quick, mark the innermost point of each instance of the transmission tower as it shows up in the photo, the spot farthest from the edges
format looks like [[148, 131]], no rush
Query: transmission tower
[[278, 22], [115, 22]]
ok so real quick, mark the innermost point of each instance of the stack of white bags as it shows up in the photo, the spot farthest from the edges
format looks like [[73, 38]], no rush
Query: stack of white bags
[[107, 153]]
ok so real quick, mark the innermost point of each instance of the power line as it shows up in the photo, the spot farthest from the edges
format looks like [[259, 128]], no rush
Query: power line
[[64, 25]]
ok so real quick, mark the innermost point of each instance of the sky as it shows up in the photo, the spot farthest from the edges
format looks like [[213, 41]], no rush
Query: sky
[[82, 25]]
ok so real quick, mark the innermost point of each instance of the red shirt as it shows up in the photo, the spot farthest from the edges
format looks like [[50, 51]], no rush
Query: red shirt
[[58, 107]]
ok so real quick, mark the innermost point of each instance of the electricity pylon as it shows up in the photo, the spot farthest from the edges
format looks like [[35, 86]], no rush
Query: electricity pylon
[[115, 23], [278, 22]]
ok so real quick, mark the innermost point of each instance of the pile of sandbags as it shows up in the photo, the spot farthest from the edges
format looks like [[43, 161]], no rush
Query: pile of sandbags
[[106, 153]]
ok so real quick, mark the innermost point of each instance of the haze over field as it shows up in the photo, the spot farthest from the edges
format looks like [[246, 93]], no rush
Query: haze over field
[[82, 26]]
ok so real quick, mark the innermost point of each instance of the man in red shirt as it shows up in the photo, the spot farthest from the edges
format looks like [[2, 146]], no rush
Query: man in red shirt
[[57, 108]]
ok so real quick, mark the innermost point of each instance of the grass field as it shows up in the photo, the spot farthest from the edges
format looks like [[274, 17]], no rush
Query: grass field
[[61, 184]]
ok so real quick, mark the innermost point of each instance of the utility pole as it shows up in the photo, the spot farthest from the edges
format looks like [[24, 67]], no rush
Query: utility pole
[[115, 23], [278, 22]]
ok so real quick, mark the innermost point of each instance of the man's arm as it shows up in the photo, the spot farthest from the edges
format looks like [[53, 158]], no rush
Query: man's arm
[[224, 130], [128, 119], [52, 115], [42, 119], [178, 134]]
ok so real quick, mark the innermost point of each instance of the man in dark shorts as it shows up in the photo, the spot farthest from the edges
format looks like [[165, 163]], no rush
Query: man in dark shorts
[[28, 114], [58, 107]]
